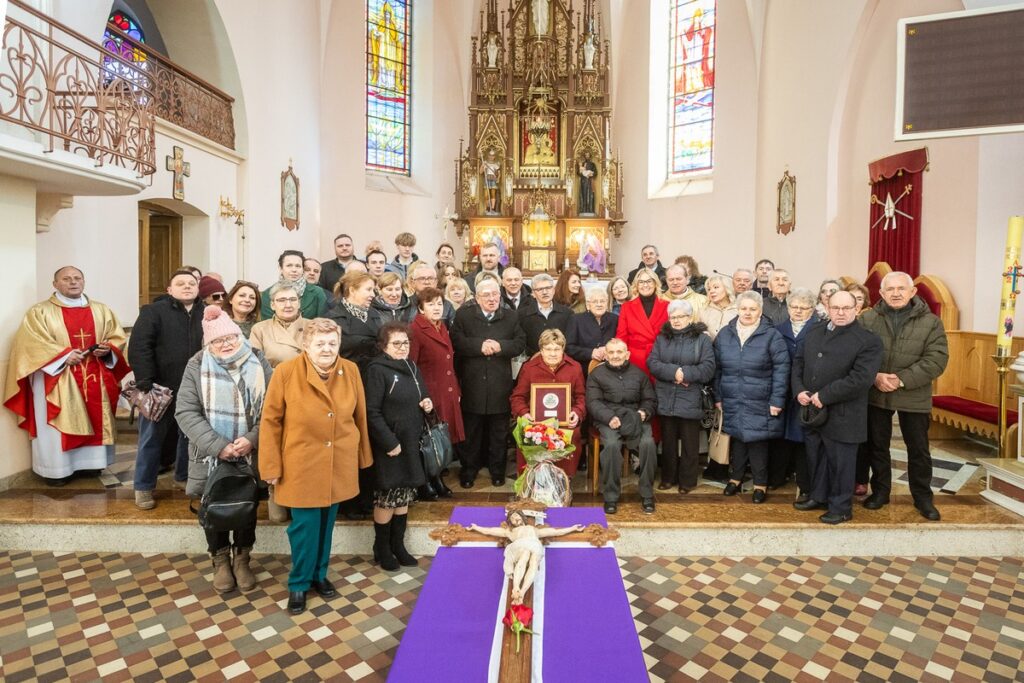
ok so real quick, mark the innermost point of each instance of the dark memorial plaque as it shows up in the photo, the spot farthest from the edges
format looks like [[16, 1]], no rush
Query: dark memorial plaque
[[963, 74]]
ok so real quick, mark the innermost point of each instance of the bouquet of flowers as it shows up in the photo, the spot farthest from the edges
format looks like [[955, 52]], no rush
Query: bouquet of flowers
[[543, 443]]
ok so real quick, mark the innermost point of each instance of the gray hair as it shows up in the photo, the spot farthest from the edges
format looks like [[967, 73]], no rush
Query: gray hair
[[486, 282], [595, 292], [748, 271], [802, 294], [776, 271], [541, 277], [281, 286], [750, 295], [837, 283], [726, 283], [678, 266], [680, 305], [650, 246], [896, 273]]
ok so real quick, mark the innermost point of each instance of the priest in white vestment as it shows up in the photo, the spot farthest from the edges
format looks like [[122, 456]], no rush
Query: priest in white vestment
[[64, 379]]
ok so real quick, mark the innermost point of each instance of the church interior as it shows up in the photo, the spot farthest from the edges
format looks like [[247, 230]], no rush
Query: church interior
[[138, 136]]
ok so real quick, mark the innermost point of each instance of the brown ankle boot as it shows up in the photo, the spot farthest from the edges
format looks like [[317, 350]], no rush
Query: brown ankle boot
[[243, 574], [223, 578]]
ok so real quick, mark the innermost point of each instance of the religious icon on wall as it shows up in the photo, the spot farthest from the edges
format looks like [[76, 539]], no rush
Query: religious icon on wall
[[181, 169], [786, 213], [587, 171], [289, 198]]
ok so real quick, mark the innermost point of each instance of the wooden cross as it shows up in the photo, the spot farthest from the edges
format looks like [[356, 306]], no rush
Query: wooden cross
[[1011, 276], [182, 169]]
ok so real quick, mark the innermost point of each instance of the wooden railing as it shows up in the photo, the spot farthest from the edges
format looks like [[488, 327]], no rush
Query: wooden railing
[[59, 83], [181, 97]]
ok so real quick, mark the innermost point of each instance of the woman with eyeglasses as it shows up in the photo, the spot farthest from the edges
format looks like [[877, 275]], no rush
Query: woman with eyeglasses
[[682, 362], [396, 401], [789, 453], [211, 291], [280, 337], [243, 305], [642, 317], [219, 406], [312, 299]]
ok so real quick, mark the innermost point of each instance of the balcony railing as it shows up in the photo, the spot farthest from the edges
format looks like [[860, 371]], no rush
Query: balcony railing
[[181, 97], [58, 83]]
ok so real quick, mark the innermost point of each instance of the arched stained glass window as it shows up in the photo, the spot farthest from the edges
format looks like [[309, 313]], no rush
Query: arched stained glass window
[[128, 51], [691, 85], [388, 85]]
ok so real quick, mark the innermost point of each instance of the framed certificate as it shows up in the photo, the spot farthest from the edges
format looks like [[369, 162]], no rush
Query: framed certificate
[[551, 401]]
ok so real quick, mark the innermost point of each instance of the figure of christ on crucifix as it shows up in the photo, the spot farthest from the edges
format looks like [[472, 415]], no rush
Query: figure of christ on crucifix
[[181, 169], [524, 553]]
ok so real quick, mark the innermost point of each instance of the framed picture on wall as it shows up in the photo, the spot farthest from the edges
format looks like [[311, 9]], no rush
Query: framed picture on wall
[[786, 213], [290, 198]]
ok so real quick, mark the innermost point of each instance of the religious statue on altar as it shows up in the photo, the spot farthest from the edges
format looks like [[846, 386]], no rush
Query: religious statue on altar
[[587, 171], [491, 169], [524, 553], [541, 151]]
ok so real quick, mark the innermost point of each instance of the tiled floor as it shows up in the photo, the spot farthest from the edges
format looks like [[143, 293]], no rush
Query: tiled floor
[[85, 617]]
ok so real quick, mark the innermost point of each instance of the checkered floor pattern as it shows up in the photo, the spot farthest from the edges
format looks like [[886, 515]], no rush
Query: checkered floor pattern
[[93, 616]]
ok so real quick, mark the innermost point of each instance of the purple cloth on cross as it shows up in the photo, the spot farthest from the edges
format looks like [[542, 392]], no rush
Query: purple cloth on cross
[[589, 634]]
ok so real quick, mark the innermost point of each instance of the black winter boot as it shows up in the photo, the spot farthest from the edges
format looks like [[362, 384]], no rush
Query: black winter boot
[[440, 487], [398, 524], [382, 553]]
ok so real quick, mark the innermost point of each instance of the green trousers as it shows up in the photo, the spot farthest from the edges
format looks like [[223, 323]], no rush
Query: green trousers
[[310, 535]]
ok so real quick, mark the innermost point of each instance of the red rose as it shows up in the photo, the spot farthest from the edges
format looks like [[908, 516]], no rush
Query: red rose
[[517, 619]]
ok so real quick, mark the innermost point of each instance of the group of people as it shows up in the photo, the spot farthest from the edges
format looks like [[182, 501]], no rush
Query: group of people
[[324, 381]]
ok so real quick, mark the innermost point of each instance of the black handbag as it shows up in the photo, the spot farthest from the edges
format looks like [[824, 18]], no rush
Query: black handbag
[[230, 497], [436, 450], [708, 416]]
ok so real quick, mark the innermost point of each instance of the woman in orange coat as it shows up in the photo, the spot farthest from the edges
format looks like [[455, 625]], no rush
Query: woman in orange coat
[[642, 317], [550, 366], [313, 442]]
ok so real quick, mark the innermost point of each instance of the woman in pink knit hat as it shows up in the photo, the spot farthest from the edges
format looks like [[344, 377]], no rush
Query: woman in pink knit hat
[[219, 407]]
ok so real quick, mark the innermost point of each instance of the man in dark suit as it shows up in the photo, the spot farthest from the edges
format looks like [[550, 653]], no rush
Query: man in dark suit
[[514, 293], [486, 338], [833, 372], [490, 262], [543, 314]]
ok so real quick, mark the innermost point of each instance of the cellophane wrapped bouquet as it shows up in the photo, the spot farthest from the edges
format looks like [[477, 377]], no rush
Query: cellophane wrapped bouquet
[[543, 444]]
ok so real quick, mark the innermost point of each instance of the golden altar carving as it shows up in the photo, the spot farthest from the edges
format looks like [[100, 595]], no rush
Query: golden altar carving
[[539, 163]]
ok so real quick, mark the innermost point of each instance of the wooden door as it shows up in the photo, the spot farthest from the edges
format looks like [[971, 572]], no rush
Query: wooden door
[[159, 253]]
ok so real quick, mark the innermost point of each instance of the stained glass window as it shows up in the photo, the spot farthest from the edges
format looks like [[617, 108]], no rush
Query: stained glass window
[[691, 85], [388, 85], [115, 44]]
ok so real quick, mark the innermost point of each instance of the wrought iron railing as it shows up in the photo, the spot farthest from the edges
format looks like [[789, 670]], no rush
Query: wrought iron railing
[[58, 83], [181, 97]]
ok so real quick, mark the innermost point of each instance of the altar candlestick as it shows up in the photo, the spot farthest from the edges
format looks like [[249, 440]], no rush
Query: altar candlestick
[[1011, 273]]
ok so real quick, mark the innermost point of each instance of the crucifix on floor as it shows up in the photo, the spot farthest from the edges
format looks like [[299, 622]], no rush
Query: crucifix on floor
[[182, 169]]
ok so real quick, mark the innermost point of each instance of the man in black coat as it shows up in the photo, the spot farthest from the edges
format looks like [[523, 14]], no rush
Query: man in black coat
[[332, 269], [833, 371], [543, 314], [489, 263], [621, 403], [649, 259], [486, 338], [167, 333], [514, 293]]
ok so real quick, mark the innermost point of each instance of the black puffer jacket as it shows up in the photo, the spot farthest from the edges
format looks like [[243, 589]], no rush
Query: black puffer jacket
[[691, 351], [164, 338], [395, 418], [619, 392]]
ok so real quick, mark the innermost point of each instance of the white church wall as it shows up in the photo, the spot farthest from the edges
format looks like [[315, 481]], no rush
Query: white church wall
[[950, 186], [18, 216], [441, 56], [716, 227]]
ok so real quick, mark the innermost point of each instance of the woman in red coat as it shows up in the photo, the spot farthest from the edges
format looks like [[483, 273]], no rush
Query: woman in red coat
[[549, 366], [642, 317], [432, 351]]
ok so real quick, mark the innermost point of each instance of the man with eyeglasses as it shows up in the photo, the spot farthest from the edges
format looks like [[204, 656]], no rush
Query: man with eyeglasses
[[421, 277], [831, 376], [486, 338], [543, 314], [916, 353]]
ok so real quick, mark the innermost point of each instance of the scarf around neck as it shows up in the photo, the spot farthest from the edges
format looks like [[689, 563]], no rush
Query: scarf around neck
[[299, 285], [361, 312], [232, 391]]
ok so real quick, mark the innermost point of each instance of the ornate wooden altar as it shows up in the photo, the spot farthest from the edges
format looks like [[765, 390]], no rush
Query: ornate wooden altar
[[538, 176]]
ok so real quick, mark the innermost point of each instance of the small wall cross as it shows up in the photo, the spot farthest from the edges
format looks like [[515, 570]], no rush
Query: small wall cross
[[182, 169]]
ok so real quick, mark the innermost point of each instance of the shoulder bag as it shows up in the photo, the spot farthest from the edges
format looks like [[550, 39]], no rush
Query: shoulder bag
[[718, 441], [151, 404], [435, 441]]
